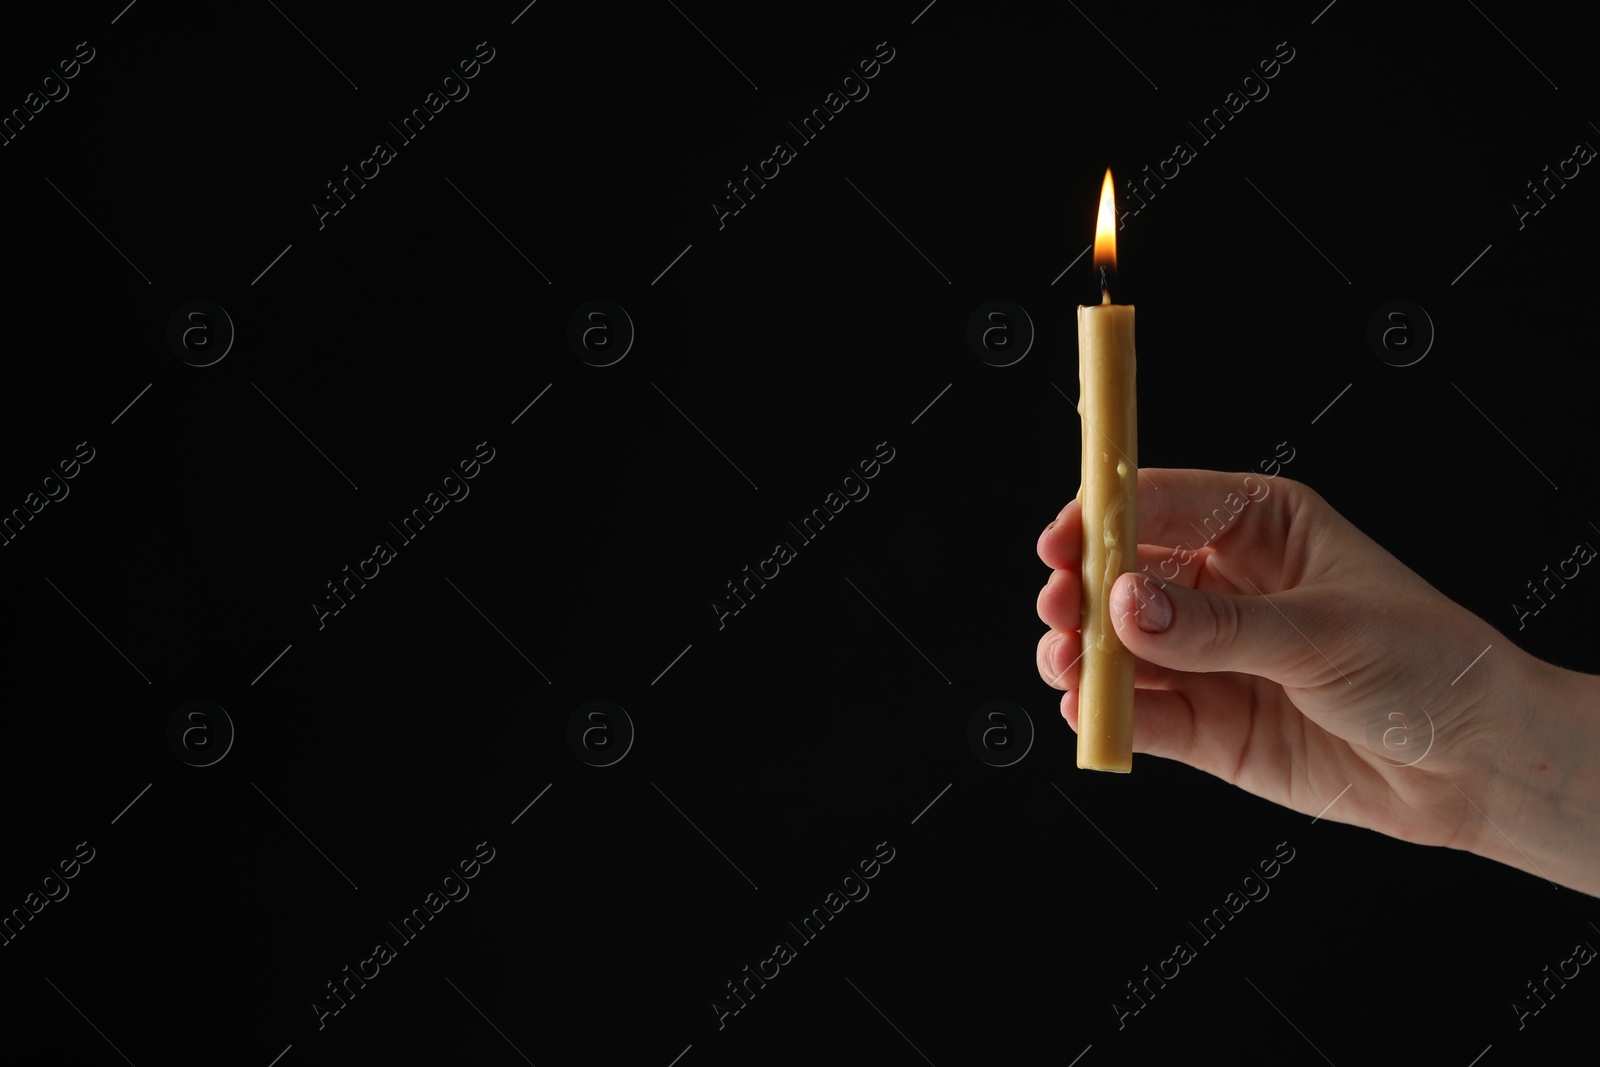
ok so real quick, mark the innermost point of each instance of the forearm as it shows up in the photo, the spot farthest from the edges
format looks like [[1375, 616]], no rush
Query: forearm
[[1540, 812]]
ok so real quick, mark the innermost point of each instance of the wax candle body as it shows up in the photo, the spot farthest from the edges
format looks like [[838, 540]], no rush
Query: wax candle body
[[1107, 410]]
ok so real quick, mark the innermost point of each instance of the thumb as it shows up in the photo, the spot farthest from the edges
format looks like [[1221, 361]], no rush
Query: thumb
[[1194, 630]]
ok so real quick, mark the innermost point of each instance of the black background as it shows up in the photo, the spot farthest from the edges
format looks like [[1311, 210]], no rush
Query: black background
[[772, 754]]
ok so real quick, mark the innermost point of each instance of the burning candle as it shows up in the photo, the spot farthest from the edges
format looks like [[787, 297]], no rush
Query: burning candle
[[1109, 491]]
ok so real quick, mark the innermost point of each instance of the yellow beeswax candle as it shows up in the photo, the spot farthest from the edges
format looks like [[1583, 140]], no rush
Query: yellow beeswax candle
[[1108, 411]]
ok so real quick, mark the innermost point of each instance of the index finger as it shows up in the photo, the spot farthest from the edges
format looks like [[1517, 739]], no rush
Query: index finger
[[1177, 506], [1061, 543], [1196, 507]]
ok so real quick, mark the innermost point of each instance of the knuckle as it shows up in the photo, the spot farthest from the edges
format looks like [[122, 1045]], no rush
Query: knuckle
[[1220, 626], [1300, 499]]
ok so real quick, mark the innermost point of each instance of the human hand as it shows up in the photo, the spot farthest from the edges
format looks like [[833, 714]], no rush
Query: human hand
[[1294, 657]]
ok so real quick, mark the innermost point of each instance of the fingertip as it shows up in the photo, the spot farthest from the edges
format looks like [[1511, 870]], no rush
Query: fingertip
[[1059, 603], [1058, 655], [1060, 544], [1069, 708]]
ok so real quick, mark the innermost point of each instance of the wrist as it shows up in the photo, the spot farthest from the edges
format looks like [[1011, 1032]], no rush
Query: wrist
[[1540, 806]]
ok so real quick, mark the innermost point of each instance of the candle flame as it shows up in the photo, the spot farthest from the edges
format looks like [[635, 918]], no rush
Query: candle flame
[[1105, 230]]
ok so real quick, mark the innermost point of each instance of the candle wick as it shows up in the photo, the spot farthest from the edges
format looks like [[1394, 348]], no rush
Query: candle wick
[[1105, 291]]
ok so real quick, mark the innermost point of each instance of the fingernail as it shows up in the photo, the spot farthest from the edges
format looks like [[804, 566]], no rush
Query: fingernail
[[1148, 605], [1155, 611]]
